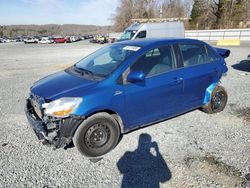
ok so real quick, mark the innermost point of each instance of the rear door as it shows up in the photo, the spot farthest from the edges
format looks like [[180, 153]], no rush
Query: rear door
[[199, 71]]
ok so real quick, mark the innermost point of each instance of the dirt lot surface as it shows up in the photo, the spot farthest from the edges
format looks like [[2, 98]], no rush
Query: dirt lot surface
[[194, 149]]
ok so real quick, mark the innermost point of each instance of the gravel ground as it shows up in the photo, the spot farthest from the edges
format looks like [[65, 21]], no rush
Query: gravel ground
[[194, 149]]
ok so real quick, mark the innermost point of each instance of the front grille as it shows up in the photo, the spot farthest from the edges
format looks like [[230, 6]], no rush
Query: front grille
[[36, 103]]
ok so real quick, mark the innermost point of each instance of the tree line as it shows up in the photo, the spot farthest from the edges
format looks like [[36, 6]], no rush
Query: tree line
[[202, 14], [13, 31]]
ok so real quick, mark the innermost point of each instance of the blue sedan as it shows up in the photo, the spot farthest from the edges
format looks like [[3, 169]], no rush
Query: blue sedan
[[124, 86]]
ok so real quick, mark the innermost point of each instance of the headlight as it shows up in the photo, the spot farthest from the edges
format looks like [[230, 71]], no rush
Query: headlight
[[62, 107]]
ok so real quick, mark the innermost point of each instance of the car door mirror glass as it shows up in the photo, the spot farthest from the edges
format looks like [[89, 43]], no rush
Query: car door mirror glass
[[136, 76]]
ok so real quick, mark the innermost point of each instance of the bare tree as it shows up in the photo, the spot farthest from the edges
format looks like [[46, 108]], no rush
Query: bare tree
[[136, 9], [124, 14], [1, 31], [241, 13], [229, 13], [201, 16], [174, 9], [219, 14]]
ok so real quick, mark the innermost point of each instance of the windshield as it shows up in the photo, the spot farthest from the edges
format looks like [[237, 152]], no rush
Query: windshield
[[104, 61], [128, 34]]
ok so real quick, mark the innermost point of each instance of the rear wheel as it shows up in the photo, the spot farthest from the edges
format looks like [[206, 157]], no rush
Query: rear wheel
[[97, 135], [218, 101]]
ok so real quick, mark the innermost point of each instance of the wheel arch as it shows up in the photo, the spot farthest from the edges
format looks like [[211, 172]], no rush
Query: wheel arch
[[114, 114], [208, 92]]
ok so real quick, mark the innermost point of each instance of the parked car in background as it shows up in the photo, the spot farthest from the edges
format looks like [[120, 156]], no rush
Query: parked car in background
[[99, 39], [124, 86], [84, 37], [70, 39], [46, 40], [87, 37], [18, 39], [12, 39], [75, 38], [5, 40], [60, 40], [30, 40]]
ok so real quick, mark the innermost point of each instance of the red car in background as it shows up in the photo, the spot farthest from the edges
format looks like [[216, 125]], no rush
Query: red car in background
[[60, 40]]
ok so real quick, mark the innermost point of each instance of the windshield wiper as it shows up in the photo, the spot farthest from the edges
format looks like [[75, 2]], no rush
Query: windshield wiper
[[84, 71], [91, 74]]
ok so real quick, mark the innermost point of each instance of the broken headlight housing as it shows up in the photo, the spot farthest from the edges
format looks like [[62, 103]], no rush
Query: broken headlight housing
[[62, 107]]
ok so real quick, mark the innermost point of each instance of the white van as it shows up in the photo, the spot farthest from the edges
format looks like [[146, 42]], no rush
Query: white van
[[154, 30]]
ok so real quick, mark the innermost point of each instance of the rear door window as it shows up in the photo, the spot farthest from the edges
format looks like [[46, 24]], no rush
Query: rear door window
[[193, 54]]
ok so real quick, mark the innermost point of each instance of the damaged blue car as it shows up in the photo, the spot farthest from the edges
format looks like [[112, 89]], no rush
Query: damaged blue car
[[125, 86]]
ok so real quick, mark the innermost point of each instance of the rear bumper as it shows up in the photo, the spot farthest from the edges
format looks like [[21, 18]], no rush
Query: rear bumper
[[57, 133]]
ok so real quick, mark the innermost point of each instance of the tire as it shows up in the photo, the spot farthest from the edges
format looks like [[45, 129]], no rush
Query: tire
[[97, 135], [218, 101]]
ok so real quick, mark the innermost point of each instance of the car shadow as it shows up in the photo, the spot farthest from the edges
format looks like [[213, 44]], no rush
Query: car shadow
[[145, 166], [243, 65]]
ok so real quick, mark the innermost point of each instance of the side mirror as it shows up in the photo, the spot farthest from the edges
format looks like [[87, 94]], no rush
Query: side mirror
[[136, 76]]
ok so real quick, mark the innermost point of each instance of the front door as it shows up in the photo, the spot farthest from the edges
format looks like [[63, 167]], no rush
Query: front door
[[160, 95]]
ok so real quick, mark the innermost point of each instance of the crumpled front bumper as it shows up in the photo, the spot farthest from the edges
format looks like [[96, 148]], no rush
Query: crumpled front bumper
[[56, 132]]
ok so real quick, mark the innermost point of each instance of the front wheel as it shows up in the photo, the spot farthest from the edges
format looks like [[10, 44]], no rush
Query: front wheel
[[218, 101], [97, 135]]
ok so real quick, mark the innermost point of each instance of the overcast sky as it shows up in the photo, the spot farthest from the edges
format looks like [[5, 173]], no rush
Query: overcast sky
[[93, 12]]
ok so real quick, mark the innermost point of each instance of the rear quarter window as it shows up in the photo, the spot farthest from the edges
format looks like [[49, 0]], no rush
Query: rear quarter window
[[211, 54]]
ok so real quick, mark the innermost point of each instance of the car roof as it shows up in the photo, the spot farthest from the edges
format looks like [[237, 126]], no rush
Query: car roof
[[156, 41]]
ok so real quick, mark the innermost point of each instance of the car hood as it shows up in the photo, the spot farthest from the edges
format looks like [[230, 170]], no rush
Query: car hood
[[59, 84]]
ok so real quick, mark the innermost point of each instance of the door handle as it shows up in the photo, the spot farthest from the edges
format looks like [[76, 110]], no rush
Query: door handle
[[178, 79]]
